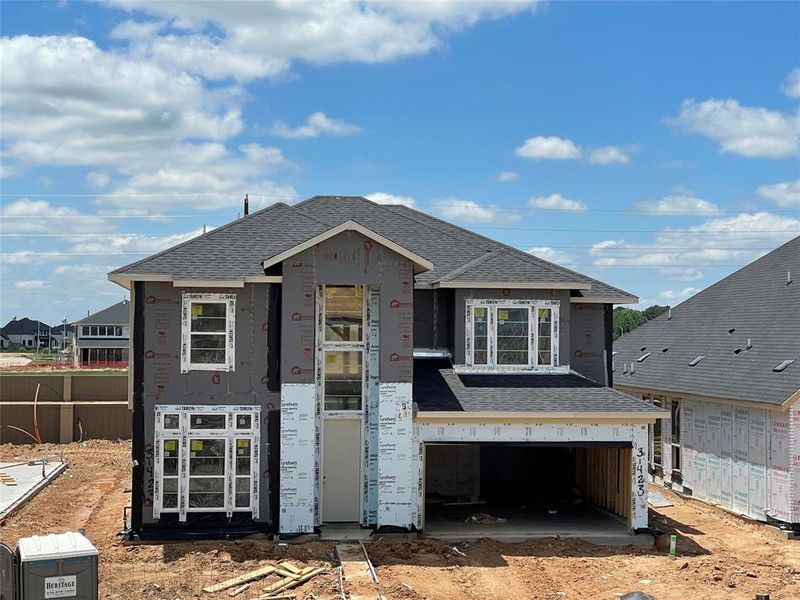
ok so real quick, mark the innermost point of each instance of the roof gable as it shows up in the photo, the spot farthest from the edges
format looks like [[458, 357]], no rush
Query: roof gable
[[117, 314], [420, 263]]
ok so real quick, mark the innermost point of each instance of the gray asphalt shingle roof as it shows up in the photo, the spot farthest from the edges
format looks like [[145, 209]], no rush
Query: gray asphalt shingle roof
[[237, 250], [754, 303], [117, 314], [438, 388]]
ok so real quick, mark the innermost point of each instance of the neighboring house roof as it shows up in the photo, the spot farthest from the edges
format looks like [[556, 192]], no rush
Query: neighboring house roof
[[118, 314], [25, 326], [58, 329], [236, 252], [755, 303], [437, 388]]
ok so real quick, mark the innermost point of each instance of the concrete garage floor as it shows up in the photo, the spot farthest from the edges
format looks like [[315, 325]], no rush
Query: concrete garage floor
[[584, 522]]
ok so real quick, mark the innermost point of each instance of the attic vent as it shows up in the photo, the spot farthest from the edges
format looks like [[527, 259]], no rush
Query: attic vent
[[731, 330], [783, 365], [664, 349], [614, 353], [643, 348], [749, 344], [738, 351], [696, 360], [643, 357]]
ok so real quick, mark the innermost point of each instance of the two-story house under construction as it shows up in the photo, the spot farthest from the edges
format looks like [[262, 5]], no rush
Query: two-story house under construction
[[341, 361]]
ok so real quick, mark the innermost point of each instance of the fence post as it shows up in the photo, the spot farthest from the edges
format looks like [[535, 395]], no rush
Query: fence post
[[66, 413]]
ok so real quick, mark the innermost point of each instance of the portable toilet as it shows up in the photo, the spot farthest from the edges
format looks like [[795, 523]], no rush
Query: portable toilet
[[60, 565]]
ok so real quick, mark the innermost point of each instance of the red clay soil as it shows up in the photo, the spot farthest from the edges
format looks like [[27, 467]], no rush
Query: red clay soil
[[719, 555]]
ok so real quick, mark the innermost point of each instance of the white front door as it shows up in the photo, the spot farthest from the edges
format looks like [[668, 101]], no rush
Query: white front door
[[341, 470]]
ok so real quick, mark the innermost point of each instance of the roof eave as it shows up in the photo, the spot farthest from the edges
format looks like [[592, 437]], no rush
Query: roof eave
[[537, 416], [527, 285]]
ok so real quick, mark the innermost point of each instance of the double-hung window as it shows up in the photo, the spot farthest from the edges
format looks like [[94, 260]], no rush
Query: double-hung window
[[206, 460], [342, 347], [516, 334], [208, 332]]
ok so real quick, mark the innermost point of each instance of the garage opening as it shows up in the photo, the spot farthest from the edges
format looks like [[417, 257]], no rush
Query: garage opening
[[521, 491]]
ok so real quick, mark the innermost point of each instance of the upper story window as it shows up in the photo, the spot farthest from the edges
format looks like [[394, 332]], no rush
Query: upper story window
[[103, 331], [511, 334], [343, 347], [207, 332]]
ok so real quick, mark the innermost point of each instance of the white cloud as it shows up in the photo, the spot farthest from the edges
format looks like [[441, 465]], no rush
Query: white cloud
[[506, 176], [729, 241], [557, 148], [791, 85], [467, 211], [675, 296], [553, 255], [557, 202], [66, 102], [386, 198], [316, 124], [39, 216], [785, 195], [743, 130], [133, 244], [30, 284], [682, 273], [549, 148], [228, 39], [678, 204], [608, 155], [97, 180]]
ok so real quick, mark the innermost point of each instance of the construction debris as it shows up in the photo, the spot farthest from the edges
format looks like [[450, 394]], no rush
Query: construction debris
[[289, 582], [237, 581], [239, 590], [484, 519], [7, 479]]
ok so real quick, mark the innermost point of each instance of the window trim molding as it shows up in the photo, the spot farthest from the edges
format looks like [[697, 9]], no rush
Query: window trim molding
[[183, 436], [493, 305], [229, 300]]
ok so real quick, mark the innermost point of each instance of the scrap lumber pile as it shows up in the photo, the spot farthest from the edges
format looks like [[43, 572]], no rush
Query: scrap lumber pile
[[290, 575], [7, 479]]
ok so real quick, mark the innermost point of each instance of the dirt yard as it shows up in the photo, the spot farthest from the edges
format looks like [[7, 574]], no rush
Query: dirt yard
[[719, 555]]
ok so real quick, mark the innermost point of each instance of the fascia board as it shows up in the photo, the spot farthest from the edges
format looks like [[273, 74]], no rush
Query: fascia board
[[605, 300], [679, 395], [541, 416], [511, 285]]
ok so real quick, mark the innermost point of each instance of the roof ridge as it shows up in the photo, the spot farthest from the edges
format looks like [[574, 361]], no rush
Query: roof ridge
[[475, 262], [214, 231]]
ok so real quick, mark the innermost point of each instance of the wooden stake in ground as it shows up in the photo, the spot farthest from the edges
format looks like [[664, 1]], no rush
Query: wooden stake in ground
[[235, 581], [288, 583]]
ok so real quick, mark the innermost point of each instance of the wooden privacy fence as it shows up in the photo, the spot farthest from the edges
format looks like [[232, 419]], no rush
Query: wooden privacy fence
[[71, 406]]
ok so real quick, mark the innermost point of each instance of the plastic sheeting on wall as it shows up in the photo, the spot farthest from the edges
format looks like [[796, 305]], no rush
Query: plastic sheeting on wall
[[740, 458], [396, 459], [298, 469]]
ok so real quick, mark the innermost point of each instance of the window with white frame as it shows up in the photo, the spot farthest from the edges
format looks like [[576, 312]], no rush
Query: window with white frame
[[511, 334], [207, 332], [206, 460], [342, 346]]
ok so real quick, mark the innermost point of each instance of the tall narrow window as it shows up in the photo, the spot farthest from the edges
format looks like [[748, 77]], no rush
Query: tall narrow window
[[170, 474], [343, 347], [545, 336], [512, 336], [675, 411], [208, 332], [480, 335], [657, 448]]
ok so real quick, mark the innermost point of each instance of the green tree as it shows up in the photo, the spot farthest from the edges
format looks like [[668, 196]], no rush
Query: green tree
[[628, 319]]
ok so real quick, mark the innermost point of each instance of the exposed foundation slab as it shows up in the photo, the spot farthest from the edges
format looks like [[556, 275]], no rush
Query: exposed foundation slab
[[338, 532], [29, 482], [585, 523]]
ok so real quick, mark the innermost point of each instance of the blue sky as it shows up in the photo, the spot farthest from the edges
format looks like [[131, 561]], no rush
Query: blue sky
[[651, 145]]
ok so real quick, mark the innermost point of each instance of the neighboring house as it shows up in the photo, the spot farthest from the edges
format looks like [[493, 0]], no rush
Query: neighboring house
[[5, 343], [726, 364], [61, 337], [344, 361], [101, 340], [27, 333]]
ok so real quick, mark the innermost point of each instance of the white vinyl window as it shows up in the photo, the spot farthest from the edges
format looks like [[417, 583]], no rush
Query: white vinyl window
[[511, 334], [206, 460], [208, 332]]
